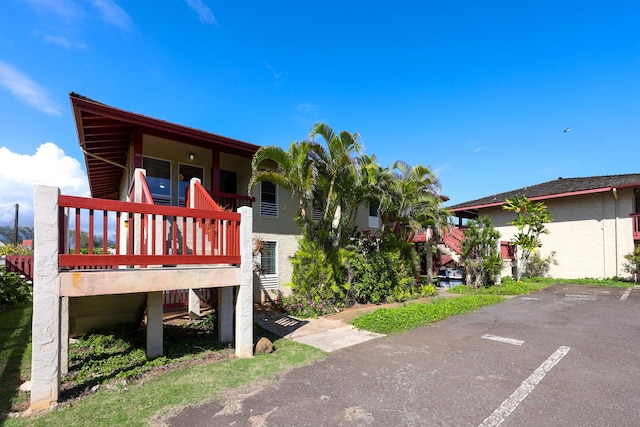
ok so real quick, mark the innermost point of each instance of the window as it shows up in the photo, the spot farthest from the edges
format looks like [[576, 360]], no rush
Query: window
[[268, 199], [374, 221], [373, 209], [268, 259], [158, 179]]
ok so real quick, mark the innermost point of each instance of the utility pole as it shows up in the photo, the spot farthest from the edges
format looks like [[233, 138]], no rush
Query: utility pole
[[15, 226]]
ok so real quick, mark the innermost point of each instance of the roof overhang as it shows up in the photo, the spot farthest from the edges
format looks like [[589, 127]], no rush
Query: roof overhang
[[468, 211], [106, 134]]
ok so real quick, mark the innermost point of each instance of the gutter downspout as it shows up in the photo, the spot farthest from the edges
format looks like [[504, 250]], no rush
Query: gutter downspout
[[614, 190], [107, 161]]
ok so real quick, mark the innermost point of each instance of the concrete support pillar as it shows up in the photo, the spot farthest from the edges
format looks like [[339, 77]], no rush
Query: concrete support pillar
[[194, 304], [64, 335], [244, 302], [225, 314], [45, 360], [154, 324]]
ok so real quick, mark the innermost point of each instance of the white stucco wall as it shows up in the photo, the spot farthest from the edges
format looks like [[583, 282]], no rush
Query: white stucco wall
[[589, 239]]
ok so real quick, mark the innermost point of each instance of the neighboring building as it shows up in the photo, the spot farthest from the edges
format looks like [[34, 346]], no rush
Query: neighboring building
[[595, 222]]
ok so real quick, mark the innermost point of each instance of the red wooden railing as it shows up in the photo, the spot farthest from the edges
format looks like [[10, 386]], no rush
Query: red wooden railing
[[453, 239], [145, 234], [147, 198], [636, 226], [21, 265], [230, 201], [201, 198]]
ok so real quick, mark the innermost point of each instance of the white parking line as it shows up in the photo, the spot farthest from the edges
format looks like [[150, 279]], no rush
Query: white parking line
[[512, 402], [502, 339], [626, 294]]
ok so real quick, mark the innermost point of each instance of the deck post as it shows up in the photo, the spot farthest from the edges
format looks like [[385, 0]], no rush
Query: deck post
[[45, 360], [154, 324], [64, 335], [225, 314], [244, 302], [194, 304]]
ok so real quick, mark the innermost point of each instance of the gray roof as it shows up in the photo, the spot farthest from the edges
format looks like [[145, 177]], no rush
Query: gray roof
[[557, 188]]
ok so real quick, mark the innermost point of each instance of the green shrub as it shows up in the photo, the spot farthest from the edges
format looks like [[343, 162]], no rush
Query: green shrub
[[538, 266], [376, 276], [299, 306], [319, 275], [14, 290], [11, 249], [384, 273], [632, 265]]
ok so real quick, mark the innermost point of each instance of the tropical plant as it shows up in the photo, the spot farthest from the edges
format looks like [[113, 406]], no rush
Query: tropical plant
[[632, 265], [410, 201], [331, 181], [14, 289], [319, 275], [481, 258], [292, 170], [539, 266], [530, 221], [11, 249]]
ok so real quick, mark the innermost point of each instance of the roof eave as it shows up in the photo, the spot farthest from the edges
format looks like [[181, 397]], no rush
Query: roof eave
[[546, 197]]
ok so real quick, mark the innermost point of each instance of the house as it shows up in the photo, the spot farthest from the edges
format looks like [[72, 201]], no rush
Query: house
[[166, 196], [596, 221], [174, 201]]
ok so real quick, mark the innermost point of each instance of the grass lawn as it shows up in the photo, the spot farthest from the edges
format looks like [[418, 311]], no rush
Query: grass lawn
[[144, 390], [15, 356], [411, 315]]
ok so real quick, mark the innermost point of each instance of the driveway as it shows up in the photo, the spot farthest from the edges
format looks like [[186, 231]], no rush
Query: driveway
[[568, 355]]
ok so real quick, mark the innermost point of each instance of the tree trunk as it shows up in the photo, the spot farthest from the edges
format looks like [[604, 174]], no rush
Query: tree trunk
[[429, 255]]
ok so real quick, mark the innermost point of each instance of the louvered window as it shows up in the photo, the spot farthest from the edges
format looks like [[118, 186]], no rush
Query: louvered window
[[268, 199], [268, 259]]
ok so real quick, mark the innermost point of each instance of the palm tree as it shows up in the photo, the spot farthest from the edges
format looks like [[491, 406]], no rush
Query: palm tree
[[337, 176], [410, 201], [292, 170]]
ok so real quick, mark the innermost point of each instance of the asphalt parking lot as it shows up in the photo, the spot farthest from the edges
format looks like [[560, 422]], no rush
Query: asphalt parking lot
[[568, 355]]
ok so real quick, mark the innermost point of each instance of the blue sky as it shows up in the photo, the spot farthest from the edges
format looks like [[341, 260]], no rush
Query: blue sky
[[480, 91]]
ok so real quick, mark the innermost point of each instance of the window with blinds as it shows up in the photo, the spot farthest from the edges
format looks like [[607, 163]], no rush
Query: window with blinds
[[268, 199]]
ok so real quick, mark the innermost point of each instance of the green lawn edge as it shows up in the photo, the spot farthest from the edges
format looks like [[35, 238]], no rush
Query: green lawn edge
[[400, 319], [160, 397]]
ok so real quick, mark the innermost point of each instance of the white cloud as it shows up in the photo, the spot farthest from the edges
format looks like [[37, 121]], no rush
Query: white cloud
[[113, 14], [65, 9], [204, 13], [26, 90], [74, 11], [48, 166], [62, 42]]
